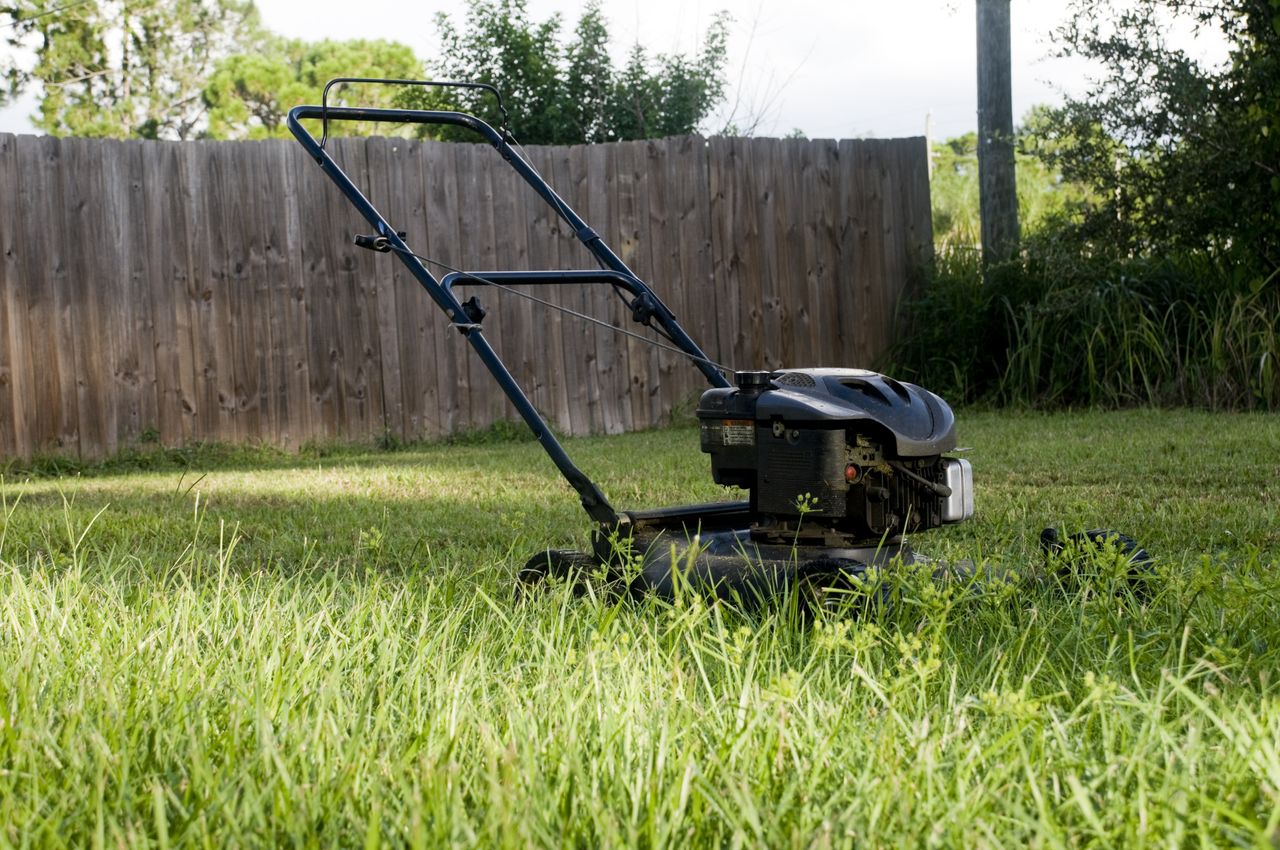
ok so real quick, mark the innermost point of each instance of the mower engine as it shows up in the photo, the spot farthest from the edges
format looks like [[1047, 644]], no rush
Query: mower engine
[[836, 457]]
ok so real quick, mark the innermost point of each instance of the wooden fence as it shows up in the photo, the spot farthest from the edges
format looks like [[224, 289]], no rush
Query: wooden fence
[[210, 291]]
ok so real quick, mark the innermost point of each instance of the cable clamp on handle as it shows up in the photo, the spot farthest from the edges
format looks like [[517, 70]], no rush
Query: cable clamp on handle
[[375, 243]]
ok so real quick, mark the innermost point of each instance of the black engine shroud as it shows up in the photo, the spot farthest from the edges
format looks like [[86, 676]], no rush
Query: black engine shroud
[[836, 454]]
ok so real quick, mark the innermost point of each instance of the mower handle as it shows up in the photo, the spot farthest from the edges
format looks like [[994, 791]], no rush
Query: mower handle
[[593, 499], [542, 278], [501, 142], [324, 95]]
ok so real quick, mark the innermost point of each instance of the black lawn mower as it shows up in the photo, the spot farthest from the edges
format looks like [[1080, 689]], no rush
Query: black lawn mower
[[838, 464]]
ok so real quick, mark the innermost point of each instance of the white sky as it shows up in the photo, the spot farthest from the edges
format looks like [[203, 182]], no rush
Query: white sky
[[831, 69]]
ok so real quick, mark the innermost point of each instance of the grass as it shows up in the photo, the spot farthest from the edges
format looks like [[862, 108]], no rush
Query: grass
[[324, 651]]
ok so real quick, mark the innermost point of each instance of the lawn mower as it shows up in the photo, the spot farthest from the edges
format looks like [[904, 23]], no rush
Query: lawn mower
[[837, 464]]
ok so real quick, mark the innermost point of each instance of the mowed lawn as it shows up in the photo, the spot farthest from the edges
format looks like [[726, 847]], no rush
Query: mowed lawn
[[239, 648]]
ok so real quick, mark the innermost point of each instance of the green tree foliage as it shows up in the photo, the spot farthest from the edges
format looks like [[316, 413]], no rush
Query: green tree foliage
[[560, 92], [1044, 196], [1162, 285], [120, 68], [672, 99], [188, 68], [1181, 155], [250, 94], [590, 77]]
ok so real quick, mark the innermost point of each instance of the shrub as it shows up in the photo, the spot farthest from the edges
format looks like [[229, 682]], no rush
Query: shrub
[[1059, 327]]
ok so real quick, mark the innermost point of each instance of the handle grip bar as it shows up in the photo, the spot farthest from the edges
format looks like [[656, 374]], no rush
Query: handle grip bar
[[324, 96]]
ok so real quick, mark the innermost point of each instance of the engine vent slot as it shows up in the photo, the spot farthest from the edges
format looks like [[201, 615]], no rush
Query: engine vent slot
[[898, 388], [866, 388], [795, 379]]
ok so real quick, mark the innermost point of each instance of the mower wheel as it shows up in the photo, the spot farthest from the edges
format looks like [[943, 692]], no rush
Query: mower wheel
[[1070, 565], [833, 586], [559, 565]]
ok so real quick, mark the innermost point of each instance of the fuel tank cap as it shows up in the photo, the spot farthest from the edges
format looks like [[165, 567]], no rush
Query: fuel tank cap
[[752, 381]]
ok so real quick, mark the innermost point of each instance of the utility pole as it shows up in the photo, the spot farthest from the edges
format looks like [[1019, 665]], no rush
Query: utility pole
[[928, 140], [997, 187]]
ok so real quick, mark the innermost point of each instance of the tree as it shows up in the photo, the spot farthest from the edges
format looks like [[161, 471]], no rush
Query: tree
[[589, 77], [1044, 198], [250, 94], [1180, 155], [121, 68], [565, 93], [186, 68], [672, 95]]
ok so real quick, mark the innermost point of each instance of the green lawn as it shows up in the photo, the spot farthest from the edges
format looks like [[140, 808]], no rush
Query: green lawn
[[245, 648]]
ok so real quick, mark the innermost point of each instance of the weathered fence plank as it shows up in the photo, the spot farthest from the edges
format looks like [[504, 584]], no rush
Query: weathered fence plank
[[547, 331], [246, 296], [136, 368], [165, 276], [692, 281], [210, 291], [13, 439], [85, 205], [610, 373]]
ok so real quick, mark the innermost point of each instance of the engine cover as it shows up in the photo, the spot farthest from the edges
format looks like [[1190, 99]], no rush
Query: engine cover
[[840, 454]]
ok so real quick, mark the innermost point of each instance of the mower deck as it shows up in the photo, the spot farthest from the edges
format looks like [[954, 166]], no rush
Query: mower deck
[[718, 547]]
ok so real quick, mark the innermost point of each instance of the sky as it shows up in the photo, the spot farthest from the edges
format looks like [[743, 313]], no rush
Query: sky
[[834, 69]]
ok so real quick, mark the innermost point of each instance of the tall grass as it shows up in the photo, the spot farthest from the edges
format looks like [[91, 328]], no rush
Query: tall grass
[[326, 652], [1054, 328], [200, 705]]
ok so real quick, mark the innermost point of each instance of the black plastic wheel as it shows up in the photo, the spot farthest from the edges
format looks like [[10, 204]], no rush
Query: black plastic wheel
[[1074, 572], [557, 564], [832, 586]]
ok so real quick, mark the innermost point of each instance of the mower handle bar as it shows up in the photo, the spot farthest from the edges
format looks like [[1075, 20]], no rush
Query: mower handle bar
[[585, 234], [444, 84], [615, 270], [541, 278]]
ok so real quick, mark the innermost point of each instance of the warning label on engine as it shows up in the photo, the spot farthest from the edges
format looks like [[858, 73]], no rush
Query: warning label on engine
[[739, 432]]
